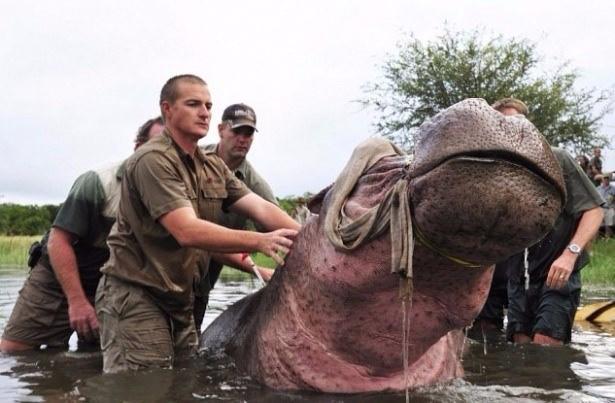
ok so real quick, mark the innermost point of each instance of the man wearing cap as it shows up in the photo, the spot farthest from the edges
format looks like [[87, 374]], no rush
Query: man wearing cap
[[58, 296], [544, 281], [172, 196], [236, 131]]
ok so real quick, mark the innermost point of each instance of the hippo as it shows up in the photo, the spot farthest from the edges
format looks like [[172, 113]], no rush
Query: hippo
[[480, 187]]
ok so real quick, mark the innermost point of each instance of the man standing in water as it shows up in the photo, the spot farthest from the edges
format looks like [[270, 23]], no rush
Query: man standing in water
[[172, 195], [543, 299], [236, 132], [58, 296]]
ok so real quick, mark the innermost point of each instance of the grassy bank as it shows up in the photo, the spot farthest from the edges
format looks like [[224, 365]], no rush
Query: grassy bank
[[601, 268], [14, 253], [14, 249], [229, 274]]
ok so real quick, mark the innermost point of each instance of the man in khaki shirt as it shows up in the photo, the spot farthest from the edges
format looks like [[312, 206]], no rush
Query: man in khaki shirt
[[172, 196]]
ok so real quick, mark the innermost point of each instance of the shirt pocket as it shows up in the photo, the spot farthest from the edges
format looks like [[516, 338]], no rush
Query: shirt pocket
[[212, 195]]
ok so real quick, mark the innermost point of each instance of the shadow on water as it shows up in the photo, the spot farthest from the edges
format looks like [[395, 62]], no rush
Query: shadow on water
[[582, 372]]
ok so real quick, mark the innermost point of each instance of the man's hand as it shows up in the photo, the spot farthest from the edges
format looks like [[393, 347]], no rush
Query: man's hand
[[265, 273], [81, 314], [560, 270], [83, 319], [272, 243]]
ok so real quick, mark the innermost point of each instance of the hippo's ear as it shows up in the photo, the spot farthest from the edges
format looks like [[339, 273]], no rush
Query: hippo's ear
[[315, 203]]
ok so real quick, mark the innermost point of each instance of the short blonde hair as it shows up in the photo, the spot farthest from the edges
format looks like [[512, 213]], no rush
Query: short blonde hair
[[510, 102]]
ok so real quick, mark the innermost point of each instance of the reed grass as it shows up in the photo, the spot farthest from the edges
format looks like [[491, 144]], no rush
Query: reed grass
[[601, 268], [14, 250]]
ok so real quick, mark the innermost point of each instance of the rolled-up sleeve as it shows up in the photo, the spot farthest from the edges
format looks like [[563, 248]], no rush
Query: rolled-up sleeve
[[160, 185]]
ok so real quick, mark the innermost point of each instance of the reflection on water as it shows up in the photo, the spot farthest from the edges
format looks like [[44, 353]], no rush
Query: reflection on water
[[582, 372]]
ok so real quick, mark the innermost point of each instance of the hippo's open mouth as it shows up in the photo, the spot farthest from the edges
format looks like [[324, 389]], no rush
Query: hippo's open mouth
[[492, 156]]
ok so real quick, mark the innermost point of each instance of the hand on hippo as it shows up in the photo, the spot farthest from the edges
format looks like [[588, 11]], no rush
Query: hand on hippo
[[272, 243], [264, 272]]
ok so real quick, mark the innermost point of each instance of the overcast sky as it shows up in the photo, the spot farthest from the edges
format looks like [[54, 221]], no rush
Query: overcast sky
[[77, 78]]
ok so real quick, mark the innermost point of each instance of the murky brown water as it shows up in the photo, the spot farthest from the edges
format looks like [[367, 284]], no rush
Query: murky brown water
[[582, 372]]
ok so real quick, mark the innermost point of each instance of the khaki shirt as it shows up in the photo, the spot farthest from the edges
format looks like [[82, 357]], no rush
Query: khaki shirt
[[161, 177]]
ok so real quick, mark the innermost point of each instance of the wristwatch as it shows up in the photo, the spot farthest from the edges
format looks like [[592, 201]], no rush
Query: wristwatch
[[574, 248]]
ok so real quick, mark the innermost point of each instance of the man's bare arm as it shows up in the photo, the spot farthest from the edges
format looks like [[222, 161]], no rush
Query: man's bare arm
[[191, 231], [81, 313], [562, 267], [265, 213], [243, 262]]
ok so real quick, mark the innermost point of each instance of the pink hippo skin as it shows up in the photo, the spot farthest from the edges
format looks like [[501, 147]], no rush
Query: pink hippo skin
[[482, 186]]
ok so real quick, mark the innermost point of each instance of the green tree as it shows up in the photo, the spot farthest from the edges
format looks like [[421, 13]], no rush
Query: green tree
[[424, 78], [16, 219]]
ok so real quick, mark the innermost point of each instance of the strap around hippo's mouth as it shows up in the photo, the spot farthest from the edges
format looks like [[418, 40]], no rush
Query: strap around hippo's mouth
[[420, 236]]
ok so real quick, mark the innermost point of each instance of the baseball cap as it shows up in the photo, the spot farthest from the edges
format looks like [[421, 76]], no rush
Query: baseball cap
[[238, 115]]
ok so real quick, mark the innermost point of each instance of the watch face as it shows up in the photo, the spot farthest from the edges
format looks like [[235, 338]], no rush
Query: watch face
[[574, 248]]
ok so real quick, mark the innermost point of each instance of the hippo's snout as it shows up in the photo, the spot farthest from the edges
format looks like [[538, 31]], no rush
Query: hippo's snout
[[484, 185], [484, 209]]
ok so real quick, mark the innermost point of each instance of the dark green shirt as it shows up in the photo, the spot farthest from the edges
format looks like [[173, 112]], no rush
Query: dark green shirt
[[581, 196], [88, 213]]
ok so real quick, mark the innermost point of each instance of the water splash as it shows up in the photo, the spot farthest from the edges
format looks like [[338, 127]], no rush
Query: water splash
[[463, 343]]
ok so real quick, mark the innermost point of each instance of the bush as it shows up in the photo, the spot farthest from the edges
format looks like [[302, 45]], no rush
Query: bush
[[16, 219]]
